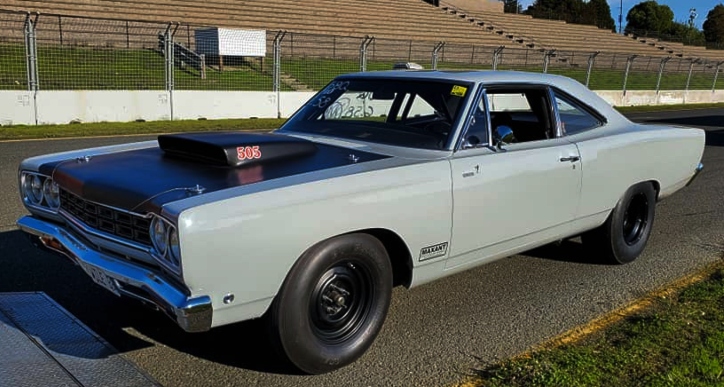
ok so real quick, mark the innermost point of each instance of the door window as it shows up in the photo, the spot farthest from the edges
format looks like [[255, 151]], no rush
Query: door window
[[526, 111]]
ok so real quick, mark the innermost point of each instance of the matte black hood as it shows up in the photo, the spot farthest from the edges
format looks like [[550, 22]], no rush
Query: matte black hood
[[234, 149], [143, 180]]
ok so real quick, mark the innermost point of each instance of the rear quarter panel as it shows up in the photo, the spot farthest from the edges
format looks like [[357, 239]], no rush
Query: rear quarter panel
[[631, 153]]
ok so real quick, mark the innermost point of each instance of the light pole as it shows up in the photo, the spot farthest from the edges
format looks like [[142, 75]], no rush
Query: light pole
[[620, 18]]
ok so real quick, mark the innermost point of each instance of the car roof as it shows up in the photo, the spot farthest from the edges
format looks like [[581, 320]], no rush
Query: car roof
[[484, 76], [490, 77]]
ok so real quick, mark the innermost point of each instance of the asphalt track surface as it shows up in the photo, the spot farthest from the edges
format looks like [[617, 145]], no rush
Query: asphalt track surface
[[434, 335]]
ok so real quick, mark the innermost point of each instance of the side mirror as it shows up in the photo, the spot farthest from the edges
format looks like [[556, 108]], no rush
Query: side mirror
[[503, 135]]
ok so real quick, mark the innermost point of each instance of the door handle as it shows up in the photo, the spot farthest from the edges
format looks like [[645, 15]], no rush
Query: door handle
[[572, 159], [474, 172]]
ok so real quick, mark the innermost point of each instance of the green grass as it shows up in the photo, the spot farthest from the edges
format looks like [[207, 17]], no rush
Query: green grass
[[21, 132], [101, 68], [677, 341], [112, 68], [607, 79]]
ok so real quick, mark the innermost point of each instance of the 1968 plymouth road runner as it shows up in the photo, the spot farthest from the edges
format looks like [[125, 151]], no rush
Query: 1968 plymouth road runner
[[381, 179]]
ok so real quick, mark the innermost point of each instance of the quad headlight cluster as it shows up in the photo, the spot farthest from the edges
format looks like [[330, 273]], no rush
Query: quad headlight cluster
[[164, 237], [40, 191]]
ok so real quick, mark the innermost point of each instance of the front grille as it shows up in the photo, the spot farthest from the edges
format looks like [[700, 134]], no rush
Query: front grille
[[106, 219]]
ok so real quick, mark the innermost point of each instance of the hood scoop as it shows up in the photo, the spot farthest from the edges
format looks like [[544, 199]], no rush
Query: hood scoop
[[234, 149]]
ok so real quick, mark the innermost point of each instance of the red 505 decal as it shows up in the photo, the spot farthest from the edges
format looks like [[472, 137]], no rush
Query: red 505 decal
[[248, 152]]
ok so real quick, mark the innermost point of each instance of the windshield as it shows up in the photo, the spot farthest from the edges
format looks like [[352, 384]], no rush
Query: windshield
[[410, 113]]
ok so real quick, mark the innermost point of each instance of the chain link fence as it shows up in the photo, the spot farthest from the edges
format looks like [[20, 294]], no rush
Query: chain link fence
[[58, 52], [13, 66]]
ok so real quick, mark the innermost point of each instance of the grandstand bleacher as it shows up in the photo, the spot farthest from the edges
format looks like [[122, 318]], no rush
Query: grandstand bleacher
[[402, 20]]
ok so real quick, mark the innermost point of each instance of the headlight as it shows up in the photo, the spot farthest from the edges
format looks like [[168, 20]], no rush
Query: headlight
[[33, 189], [159, 235], [166, 244], [51, 192], [174, 247], [39, 191]]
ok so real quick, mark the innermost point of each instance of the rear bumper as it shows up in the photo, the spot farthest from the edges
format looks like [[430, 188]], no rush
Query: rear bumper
[[697, 171], [192, 314]]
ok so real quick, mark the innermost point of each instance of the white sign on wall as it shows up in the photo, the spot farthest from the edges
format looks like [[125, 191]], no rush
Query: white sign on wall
[[231, 42]]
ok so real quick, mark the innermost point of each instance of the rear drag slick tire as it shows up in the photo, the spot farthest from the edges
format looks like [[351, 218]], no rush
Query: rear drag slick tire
[[623, 237]]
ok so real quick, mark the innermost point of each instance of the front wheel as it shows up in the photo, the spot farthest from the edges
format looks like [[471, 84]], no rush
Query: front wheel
[[333, 303], [623, 237]]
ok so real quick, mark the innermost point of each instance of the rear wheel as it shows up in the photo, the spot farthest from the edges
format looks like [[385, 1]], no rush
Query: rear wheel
[[333, 303], [623, 237]]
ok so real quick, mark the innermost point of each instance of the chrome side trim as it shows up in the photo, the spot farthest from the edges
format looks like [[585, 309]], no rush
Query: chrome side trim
[[192, 314], [697, 171]]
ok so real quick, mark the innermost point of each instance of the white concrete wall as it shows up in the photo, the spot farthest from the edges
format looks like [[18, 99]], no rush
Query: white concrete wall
[[191, 105], [664, 97], [16, 108], [290, 101], [62, 107]]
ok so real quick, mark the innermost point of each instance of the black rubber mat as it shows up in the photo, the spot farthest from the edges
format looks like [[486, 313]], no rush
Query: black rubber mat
[[41, 344]]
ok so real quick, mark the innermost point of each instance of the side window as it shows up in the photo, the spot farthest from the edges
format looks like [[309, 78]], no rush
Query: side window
[[477, 131], [574, 119], [525, 111]]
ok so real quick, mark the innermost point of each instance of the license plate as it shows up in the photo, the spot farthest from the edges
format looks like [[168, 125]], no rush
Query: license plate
[[101, 278]]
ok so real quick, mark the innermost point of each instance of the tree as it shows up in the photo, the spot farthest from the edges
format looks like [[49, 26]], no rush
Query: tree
[[714, 25], [599, 14], [649, 16], [512, 6], [593, 12], [686, 33], [568, 10]]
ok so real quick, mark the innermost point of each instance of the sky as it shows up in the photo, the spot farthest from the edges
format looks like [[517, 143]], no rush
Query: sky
[[680, 8]]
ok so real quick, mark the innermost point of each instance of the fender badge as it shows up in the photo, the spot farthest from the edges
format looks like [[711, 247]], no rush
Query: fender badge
[[353, 158], [83, 159], [433, 251]]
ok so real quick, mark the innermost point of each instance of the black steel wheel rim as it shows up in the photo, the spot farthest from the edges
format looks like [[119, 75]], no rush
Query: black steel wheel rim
[[341, 301], [635, 219]]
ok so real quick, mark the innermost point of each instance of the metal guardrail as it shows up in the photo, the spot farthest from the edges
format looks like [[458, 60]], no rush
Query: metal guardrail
[[61, 52]]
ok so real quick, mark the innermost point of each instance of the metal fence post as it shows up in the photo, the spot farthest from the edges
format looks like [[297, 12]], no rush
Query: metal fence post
[[661, 72], [688, 78], [363, 52], [277, 52], [716, 75], [547, 58], [435, 52], [202, 58], [31, 60], [277, 66], [629, 62], [496, 56], [31, 52], [591, 59], [169, 58]]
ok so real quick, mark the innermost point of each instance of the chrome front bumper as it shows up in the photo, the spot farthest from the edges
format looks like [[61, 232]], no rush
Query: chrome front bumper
[[123, 278]]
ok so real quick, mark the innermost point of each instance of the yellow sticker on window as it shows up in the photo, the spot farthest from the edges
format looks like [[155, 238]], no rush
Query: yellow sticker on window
[[459, 91]]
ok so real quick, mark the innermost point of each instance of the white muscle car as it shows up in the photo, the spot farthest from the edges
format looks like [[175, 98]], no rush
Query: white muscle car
[[381, 179]]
